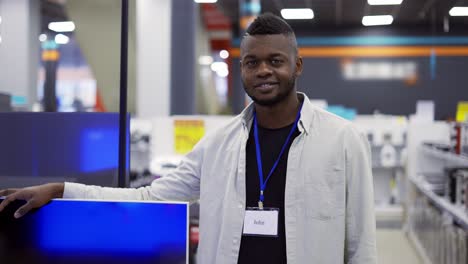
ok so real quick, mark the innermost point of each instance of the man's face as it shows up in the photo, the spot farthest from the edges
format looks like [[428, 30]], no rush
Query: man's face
[[269, 68]]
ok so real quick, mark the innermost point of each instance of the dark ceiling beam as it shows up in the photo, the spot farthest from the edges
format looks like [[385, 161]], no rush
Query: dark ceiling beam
[[396, 11], [278, 5], [338, 12], [429, 3]]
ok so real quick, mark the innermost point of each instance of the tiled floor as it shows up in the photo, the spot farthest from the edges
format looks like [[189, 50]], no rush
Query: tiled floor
[[394, 247]]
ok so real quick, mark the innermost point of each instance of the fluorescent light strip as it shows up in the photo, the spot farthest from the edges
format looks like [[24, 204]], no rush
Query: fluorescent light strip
[[377, 20], [297, 13], [205, 1], [384, 2], [459, 11], [65, 26]]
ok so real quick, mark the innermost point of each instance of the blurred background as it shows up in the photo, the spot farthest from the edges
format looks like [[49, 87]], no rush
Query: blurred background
[[398, 69]]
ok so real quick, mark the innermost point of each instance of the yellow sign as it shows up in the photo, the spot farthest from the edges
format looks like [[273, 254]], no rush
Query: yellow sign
[[186, 134], [462, 111]]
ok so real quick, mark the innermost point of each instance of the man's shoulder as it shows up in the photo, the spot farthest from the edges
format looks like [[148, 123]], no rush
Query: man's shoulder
[[225, 131]]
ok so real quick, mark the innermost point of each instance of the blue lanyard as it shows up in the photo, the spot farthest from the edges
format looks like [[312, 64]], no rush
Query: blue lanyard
[[259, 155]]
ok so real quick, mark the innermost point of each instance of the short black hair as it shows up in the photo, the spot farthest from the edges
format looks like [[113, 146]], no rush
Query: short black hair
[[269, 24]]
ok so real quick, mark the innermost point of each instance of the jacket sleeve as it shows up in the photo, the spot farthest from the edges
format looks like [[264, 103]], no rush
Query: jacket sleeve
[[360, 244], [183, 184]]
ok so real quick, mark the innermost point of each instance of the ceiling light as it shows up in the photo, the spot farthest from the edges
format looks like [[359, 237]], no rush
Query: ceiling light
[[61, 39], [65, 26], [384, 2], [224, 54], [205, 1], [219, 66], [459, 11], [205, 60], [0, 39], [42, 37], [297, 13], [222, 73], [377, 20], [0, 19]]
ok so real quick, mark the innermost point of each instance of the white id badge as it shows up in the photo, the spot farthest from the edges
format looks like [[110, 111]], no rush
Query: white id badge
[[261, 222]]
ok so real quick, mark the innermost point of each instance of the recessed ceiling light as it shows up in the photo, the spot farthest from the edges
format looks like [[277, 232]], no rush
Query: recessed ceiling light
[[205, 1], [65, 26], [377, 20], [297, 13], [61, 39], [384, 2], [42, 37], [459, 11], [224, 54]]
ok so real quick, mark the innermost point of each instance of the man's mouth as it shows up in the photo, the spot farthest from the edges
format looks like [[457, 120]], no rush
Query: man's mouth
[[265, 86]]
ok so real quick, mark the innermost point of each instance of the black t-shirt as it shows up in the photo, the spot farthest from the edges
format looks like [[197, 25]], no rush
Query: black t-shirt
[[254, 249]]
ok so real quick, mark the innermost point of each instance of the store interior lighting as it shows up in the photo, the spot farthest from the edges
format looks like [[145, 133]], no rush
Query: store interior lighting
[[205, 60], [297, 13], [65, 26], [384, 2], [221, 68], [61, 39], [42, 37], [205, 1], [459, 11], [377, 20], [224, 54]]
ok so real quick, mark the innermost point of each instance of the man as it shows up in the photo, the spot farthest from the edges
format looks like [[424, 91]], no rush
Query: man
[[283, 182]]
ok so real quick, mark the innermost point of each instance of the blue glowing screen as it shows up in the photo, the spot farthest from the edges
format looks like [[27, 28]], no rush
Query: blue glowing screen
[[81, 147], [96, 232]]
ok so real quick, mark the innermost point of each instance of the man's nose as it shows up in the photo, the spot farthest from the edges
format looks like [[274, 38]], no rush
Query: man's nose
[[263, 69]]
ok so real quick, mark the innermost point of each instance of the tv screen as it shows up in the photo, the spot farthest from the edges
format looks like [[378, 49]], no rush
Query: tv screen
[[80, 232], [37, 148]]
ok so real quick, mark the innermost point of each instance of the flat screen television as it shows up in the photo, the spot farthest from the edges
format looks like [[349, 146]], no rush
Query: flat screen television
[[38, 148], [92, 232]]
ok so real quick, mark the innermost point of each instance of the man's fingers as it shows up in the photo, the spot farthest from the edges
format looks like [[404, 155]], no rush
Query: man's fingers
[[23, 210], [6, 202], [7, 192]]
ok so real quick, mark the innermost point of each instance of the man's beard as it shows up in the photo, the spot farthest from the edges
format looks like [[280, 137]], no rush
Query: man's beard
[[278, 98]]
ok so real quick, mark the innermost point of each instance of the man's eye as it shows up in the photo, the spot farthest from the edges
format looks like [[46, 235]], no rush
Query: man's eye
[[276, 61], [251, 63]]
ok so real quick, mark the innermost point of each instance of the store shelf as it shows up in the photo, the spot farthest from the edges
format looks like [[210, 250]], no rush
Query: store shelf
[[458, 214], [459, 160], [419, 248]]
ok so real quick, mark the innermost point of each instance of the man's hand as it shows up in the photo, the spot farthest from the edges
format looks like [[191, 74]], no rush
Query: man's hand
[[35, 197]]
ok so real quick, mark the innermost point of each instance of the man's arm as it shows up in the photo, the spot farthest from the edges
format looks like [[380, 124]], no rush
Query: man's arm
[[181, 185], [360, 244]]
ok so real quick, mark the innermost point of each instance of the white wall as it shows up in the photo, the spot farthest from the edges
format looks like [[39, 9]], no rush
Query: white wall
[[19, 48], [153, 57]]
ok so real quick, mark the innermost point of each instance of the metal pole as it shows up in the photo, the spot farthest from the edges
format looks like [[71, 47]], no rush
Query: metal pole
[[123, 97]]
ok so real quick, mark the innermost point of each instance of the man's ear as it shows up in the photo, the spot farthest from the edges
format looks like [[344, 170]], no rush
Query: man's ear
[[298, 70]]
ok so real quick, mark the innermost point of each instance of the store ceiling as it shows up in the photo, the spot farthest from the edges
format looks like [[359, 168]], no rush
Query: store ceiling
[[330, 15], [349, 13]]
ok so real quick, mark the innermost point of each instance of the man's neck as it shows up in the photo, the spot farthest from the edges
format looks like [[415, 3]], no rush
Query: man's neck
[[279, 115]]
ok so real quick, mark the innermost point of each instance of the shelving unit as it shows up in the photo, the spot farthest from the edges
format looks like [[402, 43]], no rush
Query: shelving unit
[[419, 248], [444, 155], [433, 224], [459, 216]]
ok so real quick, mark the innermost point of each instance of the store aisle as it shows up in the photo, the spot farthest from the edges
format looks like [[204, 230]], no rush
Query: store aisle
[[394, 247]]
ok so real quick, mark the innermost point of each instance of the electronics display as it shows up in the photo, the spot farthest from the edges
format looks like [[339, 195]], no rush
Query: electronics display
[[37, 148], [89, 232]]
